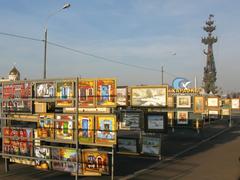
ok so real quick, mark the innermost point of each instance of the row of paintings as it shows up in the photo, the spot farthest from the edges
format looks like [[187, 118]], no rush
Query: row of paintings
[[92, 128], [199, 102], [91, 161], [137, 120], [92, 93], [150, 145]]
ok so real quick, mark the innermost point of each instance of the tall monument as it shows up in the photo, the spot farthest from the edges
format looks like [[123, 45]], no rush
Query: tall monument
[[209, 77]]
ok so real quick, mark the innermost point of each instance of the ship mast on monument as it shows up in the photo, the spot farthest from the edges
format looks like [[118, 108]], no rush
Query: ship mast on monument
[[210, 73]]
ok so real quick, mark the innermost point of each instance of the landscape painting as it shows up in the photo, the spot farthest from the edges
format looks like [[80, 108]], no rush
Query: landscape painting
[[131, 120], [149, 96]]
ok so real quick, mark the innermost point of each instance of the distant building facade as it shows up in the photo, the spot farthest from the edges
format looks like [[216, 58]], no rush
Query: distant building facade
[[14, 75]]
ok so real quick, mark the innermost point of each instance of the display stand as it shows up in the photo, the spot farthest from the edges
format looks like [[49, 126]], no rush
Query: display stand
[[31, 121]]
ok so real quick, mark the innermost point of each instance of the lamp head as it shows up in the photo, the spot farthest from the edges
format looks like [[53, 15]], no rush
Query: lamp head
[[67, 5]]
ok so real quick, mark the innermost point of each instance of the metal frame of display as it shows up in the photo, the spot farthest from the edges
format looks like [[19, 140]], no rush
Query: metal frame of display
[[7, 121]]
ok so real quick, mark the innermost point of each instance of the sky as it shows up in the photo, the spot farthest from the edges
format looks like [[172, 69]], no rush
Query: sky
[[130, 40]]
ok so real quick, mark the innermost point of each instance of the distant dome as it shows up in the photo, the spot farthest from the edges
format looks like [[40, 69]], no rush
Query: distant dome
[[14, 74], [14, 71]]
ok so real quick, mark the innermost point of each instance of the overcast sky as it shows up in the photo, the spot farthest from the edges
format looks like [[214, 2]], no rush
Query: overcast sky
[[146, 33]]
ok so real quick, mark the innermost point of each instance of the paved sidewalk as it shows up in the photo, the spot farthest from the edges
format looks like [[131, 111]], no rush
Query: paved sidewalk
[[216, 159]]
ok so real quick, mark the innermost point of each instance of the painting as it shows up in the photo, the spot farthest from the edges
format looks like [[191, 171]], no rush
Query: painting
[[170, 118], [170, 102], [42, 153], [213, 112], [182, 117], [105, 126], [151, 145], [12, 93], [183, 101], [45, 126], [198, 104], [235, 103], [95, 162], [213, 102], [130, 120], [65, 93], [127, 145], [106, 92], [22, 161], [86, 128], [225, 112], [227, 102], [156, 122], [149, 96], [86, 93], [45, 90], [122, 96], [18, 141], [68, 159], [64, 127]]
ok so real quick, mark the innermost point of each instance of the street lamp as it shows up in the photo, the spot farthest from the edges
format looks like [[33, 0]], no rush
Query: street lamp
[[45, 38]]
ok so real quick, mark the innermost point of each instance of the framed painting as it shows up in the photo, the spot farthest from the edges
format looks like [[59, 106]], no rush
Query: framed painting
[[65, 93], [213, 112], [151, 145], [170, 118], [227, 102], [105, 127], [64, 127], [46, 126], [69, 156], [213, 102], [45, 90], [128, 145], [198, 104], [225, 111], [170, 101], [42, 153], [106, 92], [130, 120], [86, 128], [235, 103], [155, 122], [122, 96], [183, 101], [18, 141], [86, 93], [149, 96], [12, 93], [95, 162], [25, 141], [182, 117]]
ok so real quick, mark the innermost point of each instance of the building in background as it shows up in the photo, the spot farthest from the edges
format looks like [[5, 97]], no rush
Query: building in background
[[13, 75]]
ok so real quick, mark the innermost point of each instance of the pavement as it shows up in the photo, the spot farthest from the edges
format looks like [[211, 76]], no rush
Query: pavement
[[176, 145]]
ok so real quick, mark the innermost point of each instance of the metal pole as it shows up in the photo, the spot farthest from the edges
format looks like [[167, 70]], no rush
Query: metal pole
[[162, 74], [76, 128], [6, 164], [230, 118], [45, 56], [113, 155], [160, 148]]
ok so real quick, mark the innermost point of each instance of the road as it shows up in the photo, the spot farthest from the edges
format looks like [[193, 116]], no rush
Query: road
[[206, 160]]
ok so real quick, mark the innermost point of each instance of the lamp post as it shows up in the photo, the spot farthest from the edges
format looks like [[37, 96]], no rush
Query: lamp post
[[45, 39]]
